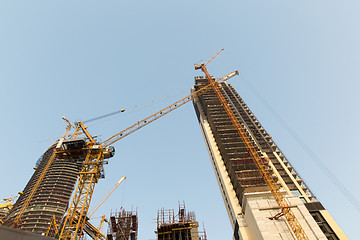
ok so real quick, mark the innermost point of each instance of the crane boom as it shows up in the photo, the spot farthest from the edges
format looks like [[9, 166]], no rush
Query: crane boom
[[106, 197], [214, 56], [164, 111]]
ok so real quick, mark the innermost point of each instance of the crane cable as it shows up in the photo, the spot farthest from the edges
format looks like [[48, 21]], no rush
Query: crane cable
[[139, 106], [136, 107]]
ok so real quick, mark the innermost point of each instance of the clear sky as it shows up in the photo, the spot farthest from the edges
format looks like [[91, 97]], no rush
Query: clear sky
[[82, 59]]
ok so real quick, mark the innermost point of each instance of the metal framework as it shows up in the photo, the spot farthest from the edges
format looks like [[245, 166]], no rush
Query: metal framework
[[90, 174], [53, 230], [99, 235]]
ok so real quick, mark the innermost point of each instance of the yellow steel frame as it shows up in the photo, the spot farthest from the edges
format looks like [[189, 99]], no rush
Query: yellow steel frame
[[99, 235], [98, 230], [75, 220], [80, 126], [76, 217], [54, 225], [282, 202]]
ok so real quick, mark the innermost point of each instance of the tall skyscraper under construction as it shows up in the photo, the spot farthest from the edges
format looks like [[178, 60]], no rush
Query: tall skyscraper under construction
[[40, 201], [252, 209]]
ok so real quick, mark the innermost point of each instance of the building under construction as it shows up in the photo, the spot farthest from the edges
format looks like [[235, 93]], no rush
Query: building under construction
[[252, 209], [123, 225], [182, 226], [51, 196]]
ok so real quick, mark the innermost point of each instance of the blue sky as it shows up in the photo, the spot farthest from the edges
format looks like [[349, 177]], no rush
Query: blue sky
[[82, 59]]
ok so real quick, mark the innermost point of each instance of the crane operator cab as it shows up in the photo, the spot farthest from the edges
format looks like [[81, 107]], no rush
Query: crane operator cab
[[109, 152], [70, 148]]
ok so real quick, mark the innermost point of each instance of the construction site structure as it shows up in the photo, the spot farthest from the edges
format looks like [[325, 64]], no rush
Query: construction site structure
[[123, 225], [76, 157], [182, 226], [264, 196], [50, 197], [253, 207], [4, 210]]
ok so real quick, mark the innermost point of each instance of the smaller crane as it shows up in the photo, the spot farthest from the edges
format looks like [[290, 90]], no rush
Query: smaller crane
[[106, 197]]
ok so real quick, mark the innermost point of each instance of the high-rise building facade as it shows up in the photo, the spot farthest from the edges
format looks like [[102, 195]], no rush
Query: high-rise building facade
[[253, 211], [50, 197]]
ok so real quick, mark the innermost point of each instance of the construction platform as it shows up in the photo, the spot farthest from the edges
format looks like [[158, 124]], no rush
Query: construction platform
[[182, 226]]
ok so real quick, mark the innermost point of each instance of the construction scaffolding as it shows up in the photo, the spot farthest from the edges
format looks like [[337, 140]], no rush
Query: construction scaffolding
[[123, 225], [182, 226]]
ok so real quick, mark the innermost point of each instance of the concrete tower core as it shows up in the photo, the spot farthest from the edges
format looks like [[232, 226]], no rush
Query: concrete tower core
[[250, 205]]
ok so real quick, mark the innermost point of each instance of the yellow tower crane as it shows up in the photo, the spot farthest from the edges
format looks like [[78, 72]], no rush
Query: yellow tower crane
[[258, 160], [95, 155]]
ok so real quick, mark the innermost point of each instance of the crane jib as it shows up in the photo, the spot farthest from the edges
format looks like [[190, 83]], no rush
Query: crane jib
[[164, 111]]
